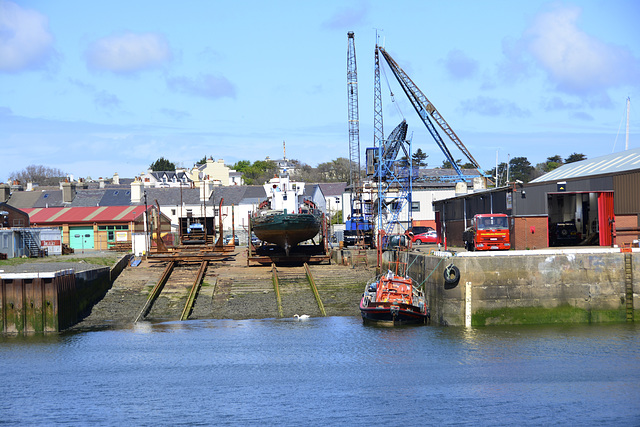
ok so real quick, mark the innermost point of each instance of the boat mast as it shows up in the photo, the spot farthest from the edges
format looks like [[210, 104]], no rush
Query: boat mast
[[626, 144]]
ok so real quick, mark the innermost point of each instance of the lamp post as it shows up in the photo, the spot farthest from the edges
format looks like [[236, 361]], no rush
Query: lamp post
[[132, 231], [146, 225]]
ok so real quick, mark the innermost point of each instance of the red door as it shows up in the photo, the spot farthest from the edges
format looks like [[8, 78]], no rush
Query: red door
[[606, 217]]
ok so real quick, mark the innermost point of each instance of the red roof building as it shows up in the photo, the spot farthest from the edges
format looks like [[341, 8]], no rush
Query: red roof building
[[99, 227]]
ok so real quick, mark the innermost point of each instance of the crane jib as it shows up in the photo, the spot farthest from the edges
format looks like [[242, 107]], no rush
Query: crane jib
[[425, 108]]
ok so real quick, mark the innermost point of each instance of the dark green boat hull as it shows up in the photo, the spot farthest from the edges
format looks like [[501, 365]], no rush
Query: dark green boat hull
[[286, 230]]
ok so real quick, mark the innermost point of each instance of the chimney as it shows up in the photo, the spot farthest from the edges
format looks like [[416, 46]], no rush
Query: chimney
[[68, 192], [461, 188], [479, 183], [29, 186], [206, 188], [116, 178], [101, 180], [136, 191], [5, 192]]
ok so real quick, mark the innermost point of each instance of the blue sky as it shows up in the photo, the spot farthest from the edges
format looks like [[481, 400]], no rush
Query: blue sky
[[99, 87]]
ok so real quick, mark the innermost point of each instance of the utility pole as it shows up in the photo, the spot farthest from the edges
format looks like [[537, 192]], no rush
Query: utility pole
[[146, 225]]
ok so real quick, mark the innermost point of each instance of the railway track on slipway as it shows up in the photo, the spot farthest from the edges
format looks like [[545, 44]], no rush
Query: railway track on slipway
[[180, 281]]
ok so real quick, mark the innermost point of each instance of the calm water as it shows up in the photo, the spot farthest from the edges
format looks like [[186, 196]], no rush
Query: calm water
[[325, 371]]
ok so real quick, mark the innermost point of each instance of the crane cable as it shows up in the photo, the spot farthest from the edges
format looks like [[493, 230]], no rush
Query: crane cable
[[397, 105]]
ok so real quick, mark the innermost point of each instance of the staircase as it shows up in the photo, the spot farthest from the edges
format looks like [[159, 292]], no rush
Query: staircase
[[32, 245]]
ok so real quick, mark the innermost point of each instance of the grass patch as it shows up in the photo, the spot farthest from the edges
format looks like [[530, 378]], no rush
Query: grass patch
[[540, 316], [107, 260]]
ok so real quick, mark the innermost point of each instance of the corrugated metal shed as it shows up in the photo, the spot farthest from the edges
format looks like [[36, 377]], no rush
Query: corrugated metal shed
[[57, 216], [615, 163]]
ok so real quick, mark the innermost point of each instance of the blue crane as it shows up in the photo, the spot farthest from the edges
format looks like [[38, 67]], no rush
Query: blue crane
[[427, 111]]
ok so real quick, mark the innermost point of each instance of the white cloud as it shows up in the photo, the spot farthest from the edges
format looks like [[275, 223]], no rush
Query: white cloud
[[175, 114], [347, 17], [101, 98], [25, 40], [128, 53], [486, 106], [106, 100], [459, 65], [207, 85], [576, 62]]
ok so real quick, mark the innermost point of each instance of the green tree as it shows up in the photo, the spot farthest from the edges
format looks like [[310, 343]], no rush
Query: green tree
[[575, 157], [552, 163], [38, 174], [258, 172], [520, 168], [241, 165], [307, 173], [418, 158], [337, 218], [502, 173], [446, 164], [334, 171], [204, 160], [162, 164]]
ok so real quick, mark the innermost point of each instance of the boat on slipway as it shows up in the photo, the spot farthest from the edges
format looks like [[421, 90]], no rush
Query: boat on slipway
[[286, 218], [394, 299]]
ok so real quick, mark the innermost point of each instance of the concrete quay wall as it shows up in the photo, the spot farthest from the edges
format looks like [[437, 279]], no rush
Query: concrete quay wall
[[529, 287]]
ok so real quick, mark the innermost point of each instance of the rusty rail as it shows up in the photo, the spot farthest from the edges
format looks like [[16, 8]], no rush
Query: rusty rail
[[195, 288], [312, 284], [276, 288], [155, 292]]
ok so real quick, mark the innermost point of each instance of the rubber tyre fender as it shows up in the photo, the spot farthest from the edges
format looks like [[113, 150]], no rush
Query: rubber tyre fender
[[451, 274]]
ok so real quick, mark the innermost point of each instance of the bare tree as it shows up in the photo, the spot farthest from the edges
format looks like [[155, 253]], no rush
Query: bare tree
[[38, 174]]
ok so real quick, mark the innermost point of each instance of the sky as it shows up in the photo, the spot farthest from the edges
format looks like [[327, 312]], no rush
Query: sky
[[101, 87]]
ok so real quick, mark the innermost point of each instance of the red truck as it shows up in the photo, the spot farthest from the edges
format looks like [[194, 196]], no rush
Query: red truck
[[487, 232]]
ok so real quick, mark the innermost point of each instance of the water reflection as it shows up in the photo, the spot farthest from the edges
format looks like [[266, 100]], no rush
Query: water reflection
[[323, 371]]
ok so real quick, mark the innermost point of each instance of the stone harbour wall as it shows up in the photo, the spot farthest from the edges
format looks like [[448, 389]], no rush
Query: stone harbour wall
[[529, 287]]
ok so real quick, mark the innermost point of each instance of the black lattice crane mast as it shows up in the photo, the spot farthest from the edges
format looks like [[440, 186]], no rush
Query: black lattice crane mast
[[426, 110], [354, 128]]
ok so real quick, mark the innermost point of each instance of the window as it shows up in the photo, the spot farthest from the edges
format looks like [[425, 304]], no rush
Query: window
[[415, 206]]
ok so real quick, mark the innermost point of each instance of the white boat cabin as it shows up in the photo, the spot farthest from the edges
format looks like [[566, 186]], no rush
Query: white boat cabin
[[283, 194]]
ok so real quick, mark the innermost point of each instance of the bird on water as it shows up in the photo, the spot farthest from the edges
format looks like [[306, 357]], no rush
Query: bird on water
[[301, 317]]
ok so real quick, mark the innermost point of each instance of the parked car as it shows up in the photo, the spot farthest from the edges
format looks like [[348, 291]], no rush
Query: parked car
[[428, 237], [227, 240], [254, 240]]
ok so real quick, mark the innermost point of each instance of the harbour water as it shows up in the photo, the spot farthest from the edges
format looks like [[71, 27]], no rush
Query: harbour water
[[324, 371]]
